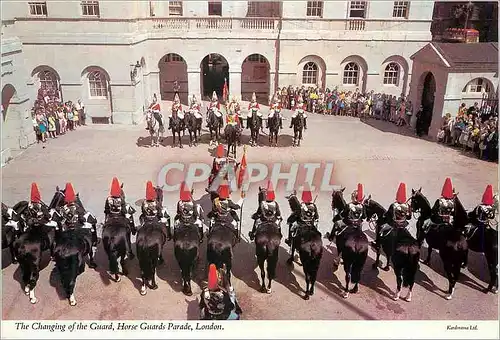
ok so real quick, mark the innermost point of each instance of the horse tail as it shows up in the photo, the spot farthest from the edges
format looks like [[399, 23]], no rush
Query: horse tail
[[412, 258], [186, 257], [27, 263], [148, 256], [358, 262]]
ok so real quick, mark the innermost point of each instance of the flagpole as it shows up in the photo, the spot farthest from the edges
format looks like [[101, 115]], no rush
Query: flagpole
[[242, 192]]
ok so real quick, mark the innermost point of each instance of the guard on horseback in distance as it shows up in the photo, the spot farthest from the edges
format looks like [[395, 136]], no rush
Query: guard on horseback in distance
[[218, 163], [308, 215], [155, 110], [188, 212], [444, 207], [299, 113], [353, 214], [275, 109], [115, 205], [233, 115], [268, 210], [224, 209], [215, 107], [37, 213], [177, 108], [253, 106], [151, 209], [73, 217], [195, 107], [216, 301], [485, 211], [397, 216]]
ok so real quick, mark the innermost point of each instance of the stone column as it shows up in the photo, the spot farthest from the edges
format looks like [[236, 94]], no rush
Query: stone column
[[272, 83], [235, 83], [194, 82]]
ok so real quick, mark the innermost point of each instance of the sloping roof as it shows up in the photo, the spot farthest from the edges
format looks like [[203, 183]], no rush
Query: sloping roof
[[481, 56]]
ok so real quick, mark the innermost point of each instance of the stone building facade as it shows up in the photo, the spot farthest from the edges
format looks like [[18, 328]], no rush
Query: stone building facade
[[116, 55]]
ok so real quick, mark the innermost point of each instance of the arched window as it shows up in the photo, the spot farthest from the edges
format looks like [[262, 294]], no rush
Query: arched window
[[48, 80], [391, 74], [310, 73], [351, 74], [98, 84], [477, 85]]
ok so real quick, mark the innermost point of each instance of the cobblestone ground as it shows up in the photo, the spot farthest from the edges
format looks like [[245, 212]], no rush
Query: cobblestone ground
[[91, 156]]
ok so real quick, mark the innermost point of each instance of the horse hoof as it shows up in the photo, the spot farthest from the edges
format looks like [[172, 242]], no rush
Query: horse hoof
[[92, 265], [306, 297], [354, 290], [26, 290], [448, 297], [268, 291], [34, 300], [263, 289], [72, 302], [345, 295], [395, 297], [494, 290], [463, 266], [143, 291], [154, 287], [407, 299], [118, 279]]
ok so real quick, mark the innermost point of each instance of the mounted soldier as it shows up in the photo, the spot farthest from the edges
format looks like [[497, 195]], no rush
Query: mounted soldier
[[299, 112], [233, 115], [188, 212], [195, 107], [486, 210], [253, 106], [155, 109], [308, 215], [73, 217], [36, 213], [268, 211], [218, 301], [116, 205], [175, 110], [214, 106], [275, 109], [218, 163], [444, 207], [224, 209], [152, 209], [353, 214]]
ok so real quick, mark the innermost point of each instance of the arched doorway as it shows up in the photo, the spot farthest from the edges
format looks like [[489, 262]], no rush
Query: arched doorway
[[173, 77], [214, 70], [255, 78], [427, 101], [48, 81], [8, 92]]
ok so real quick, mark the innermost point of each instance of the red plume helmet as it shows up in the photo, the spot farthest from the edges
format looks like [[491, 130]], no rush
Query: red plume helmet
[[447, 191], [360, 195], [270, 192], [213, 280], [306, 194], [35, 193], [150, 192], [223, 191], [220, 151], [488, 195], [69, 194], [115, 191], [401, 194], [185, 194]]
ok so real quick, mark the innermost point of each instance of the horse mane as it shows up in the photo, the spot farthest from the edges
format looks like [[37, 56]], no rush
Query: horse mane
[[294, 203], [376, 206], [338, 197], [424, 199]]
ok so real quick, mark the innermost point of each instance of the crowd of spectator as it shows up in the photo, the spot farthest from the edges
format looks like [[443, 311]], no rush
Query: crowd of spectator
[[53, 118], [474, 129]]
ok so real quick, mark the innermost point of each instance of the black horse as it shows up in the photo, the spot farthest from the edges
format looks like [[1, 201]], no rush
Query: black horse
[[186, 250], [274, 129], [254, 123], [310, 247], [445, 237], [177, 126], [72, 246], [150, 240], [405, 260], [220, 242], [12, 227], [28, 249], [214, 126], [193, 126], [267, 242], [114, 239], [482, 238], [298, 125], [232, 135], [376, 213]]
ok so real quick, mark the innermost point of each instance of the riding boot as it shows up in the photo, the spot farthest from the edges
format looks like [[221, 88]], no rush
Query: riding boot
[[331, 233], [291, 122], [251, 234], [130, 254], [289, 238], [376, 244]]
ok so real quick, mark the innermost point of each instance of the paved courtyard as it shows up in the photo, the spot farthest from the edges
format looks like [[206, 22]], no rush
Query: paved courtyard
[[91, 156]]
